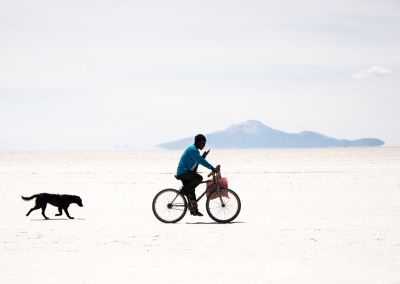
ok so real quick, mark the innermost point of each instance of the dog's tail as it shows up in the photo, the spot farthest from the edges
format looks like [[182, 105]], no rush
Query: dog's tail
[[29, 198]]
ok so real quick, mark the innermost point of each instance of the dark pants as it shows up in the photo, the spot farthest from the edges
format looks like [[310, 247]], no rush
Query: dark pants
[[190, 181]]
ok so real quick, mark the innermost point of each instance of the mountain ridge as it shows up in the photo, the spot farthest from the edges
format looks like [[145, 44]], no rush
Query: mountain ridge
[[254, 134]]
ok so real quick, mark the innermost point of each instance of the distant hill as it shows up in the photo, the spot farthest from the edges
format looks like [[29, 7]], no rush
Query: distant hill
[[254, 134]]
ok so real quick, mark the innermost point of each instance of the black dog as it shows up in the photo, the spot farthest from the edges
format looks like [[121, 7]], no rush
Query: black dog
[[61, 201]]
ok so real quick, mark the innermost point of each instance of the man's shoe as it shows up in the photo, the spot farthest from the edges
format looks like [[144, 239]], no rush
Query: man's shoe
[[197, 213], [193, 208]]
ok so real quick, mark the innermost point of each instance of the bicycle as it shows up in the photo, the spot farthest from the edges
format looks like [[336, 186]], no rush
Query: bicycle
[[223, 205]]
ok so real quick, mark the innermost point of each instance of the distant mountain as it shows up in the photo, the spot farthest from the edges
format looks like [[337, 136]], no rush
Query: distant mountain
[[254, 134]]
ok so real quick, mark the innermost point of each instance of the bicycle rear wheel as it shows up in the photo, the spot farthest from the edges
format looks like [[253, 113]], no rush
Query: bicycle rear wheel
[[223, 206], [169, 206]]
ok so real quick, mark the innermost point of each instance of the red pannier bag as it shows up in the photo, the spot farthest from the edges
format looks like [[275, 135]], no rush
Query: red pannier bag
[[211, 186]]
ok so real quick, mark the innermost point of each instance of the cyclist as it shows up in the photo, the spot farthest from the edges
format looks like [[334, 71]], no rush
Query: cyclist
[[186, 171]]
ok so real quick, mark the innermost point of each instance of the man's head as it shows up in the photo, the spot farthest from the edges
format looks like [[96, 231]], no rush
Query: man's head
[[200, 141]]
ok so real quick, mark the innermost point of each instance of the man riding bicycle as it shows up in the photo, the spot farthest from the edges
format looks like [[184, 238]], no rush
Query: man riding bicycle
[[186, 171]]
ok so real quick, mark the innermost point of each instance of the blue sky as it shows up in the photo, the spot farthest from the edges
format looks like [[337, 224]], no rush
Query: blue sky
[[96, 74]]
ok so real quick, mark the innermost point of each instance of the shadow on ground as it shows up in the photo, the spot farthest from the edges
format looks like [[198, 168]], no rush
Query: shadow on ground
[[213, 223], [60, 219]]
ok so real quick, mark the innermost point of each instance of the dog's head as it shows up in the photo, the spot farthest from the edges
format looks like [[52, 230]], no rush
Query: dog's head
[[78, 201]]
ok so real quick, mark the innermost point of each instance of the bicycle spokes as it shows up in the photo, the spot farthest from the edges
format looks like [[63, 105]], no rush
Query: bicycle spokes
[[223, 206], [169, 206]]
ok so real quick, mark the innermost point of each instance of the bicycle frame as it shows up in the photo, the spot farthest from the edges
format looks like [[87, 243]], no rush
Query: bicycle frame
[[204, 193], [215, 179]]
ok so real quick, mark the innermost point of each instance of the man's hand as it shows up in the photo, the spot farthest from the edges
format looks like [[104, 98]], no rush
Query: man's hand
[[217, 169], [206, 153]]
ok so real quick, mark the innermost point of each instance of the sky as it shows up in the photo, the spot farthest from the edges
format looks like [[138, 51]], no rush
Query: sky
[[81, 75]]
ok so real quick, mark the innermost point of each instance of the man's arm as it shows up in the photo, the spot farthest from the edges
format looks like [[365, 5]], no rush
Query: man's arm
[[202, 161], [204, 155]]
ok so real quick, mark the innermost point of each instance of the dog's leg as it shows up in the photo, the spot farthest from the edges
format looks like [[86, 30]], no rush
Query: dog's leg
[[43, 209], [59, 211], [66, 212], [34, 208]]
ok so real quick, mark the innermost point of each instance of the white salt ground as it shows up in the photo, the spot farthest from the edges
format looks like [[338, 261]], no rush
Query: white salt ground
[[308, 216]]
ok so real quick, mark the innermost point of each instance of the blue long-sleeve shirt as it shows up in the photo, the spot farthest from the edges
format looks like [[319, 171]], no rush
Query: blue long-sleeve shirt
[[189, 159]]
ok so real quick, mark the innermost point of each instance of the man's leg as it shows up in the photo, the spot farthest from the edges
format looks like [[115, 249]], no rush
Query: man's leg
[[190, 182]]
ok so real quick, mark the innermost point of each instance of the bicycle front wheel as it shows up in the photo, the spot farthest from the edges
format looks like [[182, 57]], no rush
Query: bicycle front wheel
[[169, 206], [223, 206]]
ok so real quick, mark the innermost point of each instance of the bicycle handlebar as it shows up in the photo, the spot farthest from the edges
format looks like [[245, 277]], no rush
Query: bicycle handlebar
[[217, 170]]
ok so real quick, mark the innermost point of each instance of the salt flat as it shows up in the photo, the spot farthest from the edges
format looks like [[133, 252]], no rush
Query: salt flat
[[308, 216]]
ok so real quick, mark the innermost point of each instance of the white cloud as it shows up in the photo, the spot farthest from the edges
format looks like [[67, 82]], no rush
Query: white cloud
[[372, 72]]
